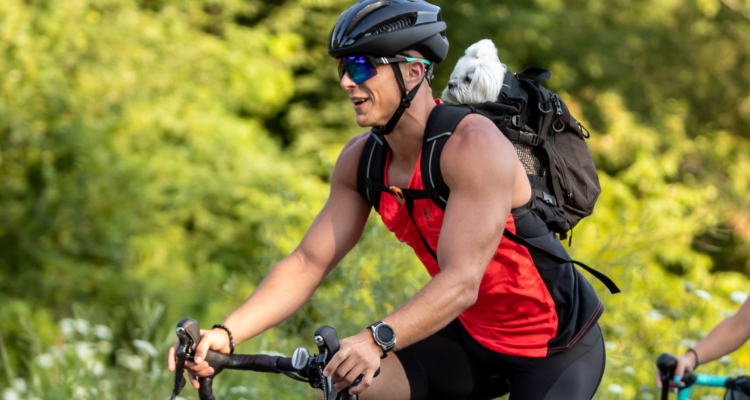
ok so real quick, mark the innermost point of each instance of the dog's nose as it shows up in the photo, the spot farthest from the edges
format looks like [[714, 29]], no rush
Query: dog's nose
[[451, 85]]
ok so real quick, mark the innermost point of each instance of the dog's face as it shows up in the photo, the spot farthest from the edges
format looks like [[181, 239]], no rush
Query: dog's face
[[478, 76]]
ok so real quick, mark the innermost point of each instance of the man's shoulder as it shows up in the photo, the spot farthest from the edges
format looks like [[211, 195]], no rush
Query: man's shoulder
[[347, 164], [476, 124], [353, 148]]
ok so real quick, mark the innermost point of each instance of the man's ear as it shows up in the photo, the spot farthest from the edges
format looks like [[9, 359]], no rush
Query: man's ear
[[414, 72]]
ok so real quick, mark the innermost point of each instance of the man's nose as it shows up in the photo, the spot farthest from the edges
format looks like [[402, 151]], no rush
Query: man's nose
[[346, 81]]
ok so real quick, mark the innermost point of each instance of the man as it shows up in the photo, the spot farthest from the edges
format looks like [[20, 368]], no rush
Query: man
[[493, 319]]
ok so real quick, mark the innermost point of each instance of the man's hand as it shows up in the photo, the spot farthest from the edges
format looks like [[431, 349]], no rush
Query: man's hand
[[215, 339], [358, 355]]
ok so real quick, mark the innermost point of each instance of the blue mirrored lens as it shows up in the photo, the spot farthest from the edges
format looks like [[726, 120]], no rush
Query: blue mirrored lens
[[359, 69]]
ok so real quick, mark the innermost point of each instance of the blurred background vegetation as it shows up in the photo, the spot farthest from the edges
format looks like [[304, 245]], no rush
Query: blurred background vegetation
[[158, 156]]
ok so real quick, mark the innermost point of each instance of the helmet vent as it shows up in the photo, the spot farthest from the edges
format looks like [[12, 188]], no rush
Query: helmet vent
[[394, 25]]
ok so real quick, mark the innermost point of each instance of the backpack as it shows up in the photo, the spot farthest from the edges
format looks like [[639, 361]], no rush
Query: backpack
[[557, 159], [551, 144]]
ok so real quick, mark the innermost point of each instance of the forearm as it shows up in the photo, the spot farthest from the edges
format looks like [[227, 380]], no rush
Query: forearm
[[286, 288], [725, 338], [432, 308]]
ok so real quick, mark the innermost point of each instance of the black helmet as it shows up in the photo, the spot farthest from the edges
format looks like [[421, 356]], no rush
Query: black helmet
[[384, 28]]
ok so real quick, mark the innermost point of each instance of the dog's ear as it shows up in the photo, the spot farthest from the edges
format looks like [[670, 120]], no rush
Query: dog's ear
[[483, 49], [487, 82]]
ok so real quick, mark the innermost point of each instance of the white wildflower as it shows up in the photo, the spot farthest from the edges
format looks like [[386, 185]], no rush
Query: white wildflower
[[725, 360], [726, 313], [134, 363], [145, 346], [102, 332], [689, 343], [703, 294], [82, 326], [68, 327], [610, 345], [738, 297], [655, 315], [19, 385], [239, 389], [97, 368], [104, 347], [46, 361], [615, 388], [84, 351], [629, 370], [79, 392], [710, 397], [10, 394]]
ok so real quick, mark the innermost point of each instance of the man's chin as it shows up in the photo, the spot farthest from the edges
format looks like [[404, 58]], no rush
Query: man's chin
[[366, 122]]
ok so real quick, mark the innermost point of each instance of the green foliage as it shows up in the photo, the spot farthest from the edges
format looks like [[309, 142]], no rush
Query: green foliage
[[157, 157]]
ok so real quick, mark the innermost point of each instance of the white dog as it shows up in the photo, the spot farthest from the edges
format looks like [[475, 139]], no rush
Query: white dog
[[478, 76]]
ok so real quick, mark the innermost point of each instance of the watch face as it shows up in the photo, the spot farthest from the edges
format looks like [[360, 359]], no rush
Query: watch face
[[386, 334]]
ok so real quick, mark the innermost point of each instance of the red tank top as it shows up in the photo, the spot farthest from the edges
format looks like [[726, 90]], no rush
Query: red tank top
[[514, 313]]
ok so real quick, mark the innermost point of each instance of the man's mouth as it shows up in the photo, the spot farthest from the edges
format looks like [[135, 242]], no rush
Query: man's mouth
[[358, 102]]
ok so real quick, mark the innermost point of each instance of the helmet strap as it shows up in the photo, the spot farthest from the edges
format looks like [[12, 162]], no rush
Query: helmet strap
[[406, 100]]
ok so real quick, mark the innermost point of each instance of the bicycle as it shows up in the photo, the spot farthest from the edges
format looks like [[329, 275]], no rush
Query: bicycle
[[738, 388], [301, 366]]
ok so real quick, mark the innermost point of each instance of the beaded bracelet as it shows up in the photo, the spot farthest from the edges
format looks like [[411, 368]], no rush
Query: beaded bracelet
[[231, 338], [695, 354]]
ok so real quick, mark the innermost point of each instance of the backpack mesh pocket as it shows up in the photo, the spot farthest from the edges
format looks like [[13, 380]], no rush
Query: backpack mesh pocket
[[533, 159]]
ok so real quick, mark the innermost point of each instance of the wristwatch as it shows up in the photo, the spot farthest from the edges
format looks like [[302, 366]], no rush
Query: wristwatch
[[384, 336]]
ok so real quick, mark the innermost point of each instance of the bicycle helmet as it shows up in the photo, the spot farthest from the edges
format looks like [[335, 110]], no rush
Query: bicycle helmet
[[384, 28]]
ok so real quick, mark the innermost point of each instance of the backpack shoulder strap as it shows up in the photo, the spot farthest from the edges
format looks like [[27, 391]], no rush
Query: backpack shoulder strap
[[441, 124], [371, 169]]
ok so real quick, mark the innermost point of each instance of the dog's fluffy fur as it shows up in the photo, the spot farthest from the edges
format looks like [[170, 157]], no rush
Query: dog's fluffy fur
[[478, 76]]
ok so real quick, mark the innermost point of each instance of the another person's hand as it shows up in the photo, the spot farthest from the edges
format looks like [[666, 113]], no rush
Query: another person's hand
[[685, 363], [215, 339], [358, 355]]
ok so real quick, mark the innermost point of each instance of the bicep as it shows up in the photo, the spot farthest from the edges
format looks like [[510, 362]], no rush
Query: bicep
[[481, 176]]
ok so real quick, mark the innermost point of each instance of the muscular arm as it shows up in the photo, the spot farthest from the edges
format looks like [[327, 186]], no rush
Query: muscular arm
[[336, 229], [481, 167]]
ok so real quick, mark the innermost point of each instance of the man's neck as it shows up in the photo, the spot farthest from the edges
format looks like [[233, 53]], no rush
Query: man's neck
[[406, 138]]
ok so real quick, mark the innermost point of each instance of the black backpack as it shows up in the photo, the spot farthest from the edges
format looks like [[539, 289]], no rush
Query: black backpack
[[557, 159], [551, 144]]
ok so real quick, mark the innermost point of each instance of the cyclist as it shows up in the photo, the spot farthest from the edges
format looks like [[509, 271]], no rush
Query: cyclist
[[725, 338], [494, 318]]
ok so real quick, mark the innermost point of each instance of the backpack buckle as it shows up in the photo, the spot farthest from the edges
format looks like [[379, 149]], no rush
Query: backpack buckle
[[530, 138], [516, 121], [549, 199]]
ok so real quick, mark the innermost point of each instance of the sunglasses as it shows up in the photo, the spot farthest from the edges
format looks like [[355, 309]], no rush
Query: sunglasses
[[362, 68]]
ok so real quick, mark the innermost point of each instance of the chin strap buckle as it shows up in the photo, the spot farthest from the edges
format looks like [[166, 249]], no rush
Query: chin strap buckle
[[406, 102]]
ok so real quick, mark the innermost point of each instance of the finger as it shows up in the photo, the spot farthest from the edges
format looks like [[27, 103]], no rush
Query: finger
[[658, 379], [366, 382], [202, 369], [202, 349], [194, 381], [343, 369], [679, 372], [172, 358], [349, 377], [337, 359]]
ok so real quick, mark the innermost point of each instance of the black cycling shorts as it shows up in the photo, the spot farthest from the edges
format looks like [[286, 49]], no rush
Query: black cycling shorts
[[451, 365]]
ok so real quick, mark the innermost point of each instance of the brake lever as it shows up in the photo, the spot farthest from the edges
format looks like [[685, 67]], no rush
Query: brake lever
[[188, 333]]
